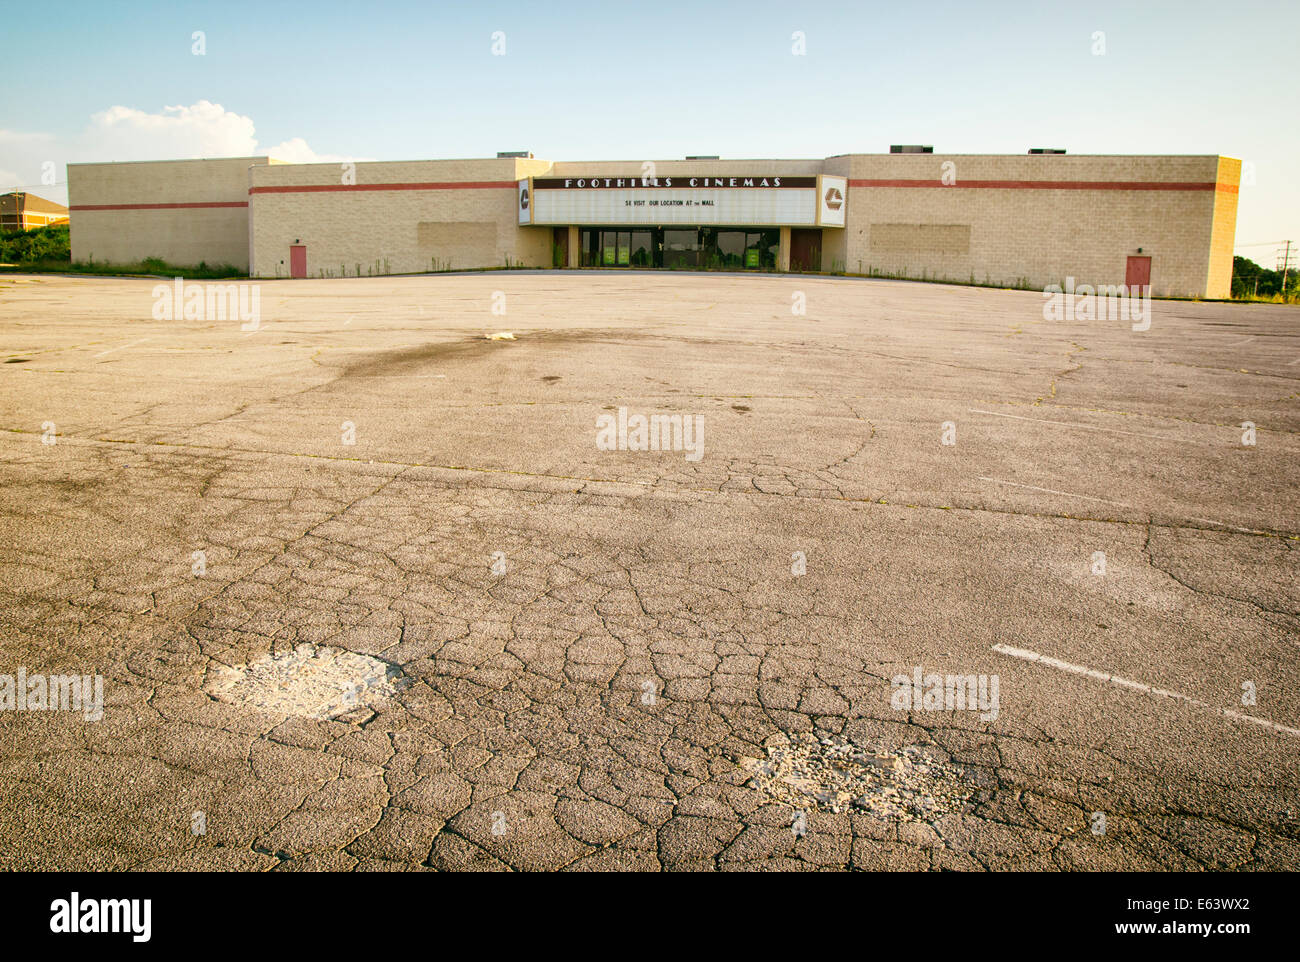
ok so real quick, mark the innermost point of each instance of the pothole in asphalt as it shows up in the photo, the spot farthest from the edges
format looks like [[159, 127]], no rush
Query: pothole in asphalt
[[835, 775], [312, 681]]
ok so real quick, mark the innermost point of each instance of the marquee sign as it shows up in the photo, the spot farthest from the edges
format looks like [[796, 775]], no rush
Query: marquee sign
[[676, 182], [740, 201]]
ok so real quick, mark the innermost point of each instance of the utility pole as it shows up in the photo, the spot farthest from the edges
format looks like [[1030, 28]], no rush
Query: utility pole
[[1286, 260]]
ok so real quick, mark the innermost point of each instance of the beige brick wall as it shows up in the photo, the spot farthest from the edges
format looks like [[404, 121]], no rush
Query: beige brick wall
[[348, 231], [1035, 237], [183, 236]]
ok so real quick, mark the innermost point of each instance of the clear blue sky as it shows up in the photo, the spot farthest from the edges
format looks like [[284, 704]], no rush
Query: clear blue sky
[[636, 81]]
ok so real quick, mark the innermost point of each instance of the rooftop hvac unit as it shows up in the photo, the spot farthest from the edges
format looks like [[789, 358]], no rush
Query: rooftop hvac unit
[[514, 153], [910, 149], [1047, 150], [703, 157]]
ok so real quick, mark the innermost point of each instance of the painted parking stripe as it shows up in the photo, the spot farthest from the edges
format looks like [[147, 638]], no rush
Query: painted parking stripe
[[1120, 504], [1034, 657], [1087, 427], [122, 347], [1085, 497]]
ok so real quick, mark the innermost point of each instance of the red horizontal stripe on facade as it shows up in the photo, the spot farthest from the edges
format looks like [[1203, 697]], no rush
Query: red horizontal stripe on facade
[[222, 203], [1051, 184], [442, 185]]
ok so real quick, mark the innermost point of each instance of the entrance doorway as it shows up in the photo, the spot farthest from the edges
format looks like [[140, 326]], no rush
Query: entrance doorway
[[718, 248], [805, 249], [297, 260], [610, 247]]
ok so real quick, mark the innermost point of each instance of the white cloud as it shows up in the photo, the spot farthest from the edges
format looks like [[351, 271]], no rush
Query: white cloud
[[203, 129], [296, 151]]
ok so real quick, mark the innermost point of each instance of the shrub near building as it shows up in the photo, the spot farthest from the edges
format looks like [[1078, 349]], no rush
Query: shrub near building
[[50, 249], [38, 245]]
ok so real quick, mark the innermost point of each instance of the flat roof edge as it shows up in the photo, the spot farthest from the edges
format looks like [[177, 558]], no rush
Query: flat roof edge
[[172, 160]]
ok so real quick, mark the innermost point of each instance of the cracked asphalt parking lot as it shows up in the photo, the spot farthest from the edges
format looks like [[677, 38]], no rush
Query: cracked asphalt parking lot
[[600, 704]]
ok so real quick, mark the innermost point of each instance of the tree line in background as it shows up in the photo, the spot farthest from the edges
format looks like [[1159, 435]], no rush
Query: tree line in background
[[1249, 280]]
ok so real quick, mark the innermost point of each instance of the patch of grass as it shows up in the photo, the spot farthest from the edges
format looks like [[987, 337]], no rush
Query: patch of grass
[[1291, 297], [149, 267]]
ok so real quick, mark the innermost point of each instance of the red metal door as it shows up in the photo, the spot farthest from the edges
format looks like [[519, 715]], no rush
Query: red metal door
[[297, 260], [1138, 273]]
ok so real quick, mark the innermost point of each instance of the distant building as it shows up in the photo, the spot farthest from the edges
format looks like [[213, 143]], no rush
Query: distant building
[[1166, 223], [23, 211]]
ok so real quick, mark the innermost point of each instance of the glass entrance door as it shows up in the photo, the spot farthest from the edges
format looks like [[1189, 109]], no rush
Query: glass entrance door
[[603, 247], [728, 248], [641, 248], [609, 248]]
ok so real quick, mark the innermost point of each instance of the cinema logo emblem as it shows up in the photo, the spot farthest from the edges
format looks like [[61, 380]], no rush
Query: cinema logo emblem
[[209, 302], [834, 199], [24, 692], [922, 692], [655, 432], [1105, 303]]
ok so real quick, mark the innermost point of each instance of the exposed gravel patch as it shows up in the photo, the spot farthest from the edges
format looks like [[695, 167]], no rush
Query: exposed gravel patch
[[835, 775], [311, 681]]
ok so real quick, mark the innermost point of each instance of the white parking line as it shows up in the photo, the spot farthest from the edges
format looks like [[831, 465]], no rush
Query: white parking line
[[1085, 497], [1121, 504], [1231, 527], [1036, 658], [1087, 427], [122, 348]]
